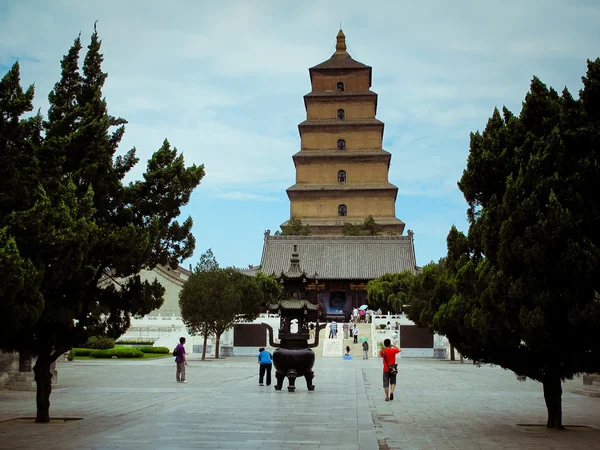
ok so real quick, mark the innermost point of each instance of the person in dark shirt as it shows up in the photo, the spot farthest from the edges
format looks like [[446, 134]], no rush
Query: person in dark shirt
[[181, 361]]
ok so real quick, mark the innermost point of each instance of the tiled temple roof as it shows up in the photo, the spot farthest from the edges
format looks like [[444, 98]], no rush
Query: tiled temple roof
[[295, 304], [344, 257]]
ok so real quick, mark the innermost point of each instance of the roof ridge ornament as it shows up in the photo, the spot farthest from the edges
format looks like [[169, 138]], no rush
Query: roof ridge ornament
[[340, 46]]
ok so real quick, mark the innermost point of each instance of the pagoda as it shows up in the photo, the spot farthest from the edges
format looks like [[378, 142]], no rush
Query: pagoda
[[341, 168]]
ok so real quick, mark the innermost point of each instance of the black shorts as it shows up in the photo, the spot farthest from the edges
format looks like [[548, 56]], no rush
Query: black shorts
[[388, 379]]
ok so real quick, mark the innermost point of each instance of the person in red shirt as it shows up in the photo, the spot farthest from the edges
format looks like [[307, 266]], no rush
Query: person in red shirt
[[389, 359]]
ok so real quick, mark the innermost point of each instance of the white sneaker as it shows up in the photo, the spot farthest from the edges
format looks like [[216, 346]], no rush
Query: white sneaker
[[183, 381]]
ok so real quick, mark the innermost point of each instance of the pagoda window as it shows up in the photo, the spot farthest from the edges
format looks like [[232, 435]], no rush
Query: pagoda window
[[341, 145], [342, 211], [341, 176], [341, 114], [340, 87]]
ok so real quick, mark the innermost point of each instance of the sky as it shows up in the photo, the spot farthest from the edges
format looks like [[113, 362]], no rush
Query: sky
[[224, 81]]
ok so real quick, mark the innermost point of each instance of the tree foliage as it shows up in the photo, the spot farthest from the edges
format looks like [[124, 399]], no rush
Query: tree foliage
[[368, 228], [211, 301], [70, 227], [271, 288], [390, 291], [294, 227], [431, 288], [526, 278]]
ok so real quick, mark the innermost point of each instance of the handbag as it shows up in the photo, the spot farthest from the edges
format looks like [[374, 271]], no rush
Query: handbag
[[392, 368], [175, 353]]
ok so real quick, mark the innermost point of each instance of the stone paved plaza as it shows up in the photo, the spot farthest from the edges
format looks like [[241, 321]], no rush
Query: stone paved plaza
[[438, 405]]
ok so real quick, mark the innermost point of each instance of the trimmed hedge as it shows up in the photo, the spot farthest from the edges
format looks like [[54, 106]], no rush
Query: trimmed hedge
[[119, 352], [134, 342], [100, 343], [81, 351], [158, 350]]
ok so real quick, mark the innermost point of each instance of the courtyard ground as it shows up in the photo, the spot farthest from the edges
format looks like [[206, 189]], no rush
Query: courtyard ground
[[438, 405]]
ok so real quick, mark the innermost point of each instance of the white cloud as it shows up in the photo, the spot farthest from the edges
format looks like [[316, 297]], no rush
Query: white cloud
[[224, 81]]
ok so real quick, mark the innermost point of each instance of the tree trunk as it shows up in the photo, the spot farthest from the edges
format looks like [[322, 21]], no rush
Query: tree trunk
[[553, 397], [217, 344], [43, 381], [452, 357], [204, 346]]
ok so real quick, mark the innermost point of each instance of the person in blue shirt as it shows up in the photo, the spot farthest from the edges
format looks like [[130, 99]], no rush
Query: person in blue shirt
[[266, 363]]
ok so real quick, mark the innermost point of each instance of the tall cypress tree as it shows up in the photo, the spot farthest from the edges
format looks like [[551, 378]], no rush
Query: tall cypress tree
[[101, 229], [525, 283]]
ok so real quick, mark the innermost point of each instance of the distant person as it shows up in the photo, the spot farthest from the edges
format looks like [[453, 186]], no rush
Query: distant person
[[355, 314], [347, 355], [311, 330], [365, 347], [345, 329], [266, 364], [388, 326], [390, 368], [333, 329], [355, 334], [180, 360]]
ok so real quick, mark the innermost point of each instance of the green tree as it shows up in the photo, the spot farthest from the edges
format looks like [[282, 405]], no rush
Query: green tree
[[271, 288], [211, 301], [207, 262], [349, 229], [390, 291], [432, 287], [78, 229], [526, 277], [294, 227], [368, 228]]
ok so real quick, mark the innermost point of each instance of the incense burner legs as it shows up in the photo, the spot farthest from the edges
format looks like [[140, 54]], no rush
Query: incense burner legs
[[293, 363]]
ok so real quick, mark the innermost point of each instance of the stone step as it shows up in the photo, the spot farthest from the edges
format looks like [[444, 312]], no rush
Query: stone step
[[596, 383], [587, 392]]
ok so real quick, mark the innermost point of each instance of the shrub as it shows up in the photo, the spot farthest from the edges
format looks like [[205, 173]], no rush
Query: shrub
[[382, 326], [149, 349], [134, 342], [119, 352], [81, 351], [100, 343]]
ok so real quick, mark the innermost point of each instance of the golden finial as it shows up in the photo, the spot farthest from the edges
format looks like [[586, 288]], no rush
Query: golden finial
[[340, 46]]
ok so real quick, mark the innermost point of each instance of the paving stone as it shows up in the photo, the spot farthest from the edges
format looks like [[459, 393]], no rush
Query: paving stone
[[437, 405]]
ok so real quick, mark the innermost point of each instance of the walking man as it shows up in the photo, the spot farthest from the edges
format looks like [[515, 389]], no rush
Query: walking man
[[390, 368], [333, 329], [266, 363], [355, 334], [365, 347], [180, 360]]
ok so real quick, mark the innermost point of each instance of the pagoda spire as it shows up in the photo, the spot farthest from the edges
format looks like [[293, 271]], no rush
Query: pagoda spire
[[340, 46]]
